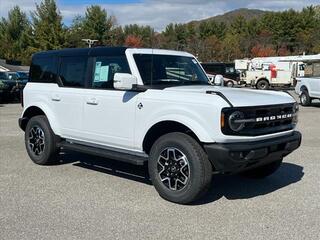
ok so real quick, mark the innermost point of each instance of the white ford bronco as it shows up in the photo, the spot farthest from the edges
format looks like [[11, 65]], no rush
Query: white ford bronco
[[155, 107]]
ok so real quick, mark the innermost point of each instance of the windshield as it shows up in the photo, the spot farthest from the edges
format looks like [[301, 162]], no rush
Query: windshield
[[169, 70]]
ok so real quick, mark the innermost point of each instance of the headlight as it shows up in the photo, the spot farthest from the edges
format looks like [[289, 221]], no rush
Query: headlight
[[235, 122]]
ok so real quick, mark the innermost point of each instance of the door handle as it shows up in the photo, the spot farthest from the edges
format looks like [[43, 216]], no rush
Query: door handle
[[92, 101], [56, 98]]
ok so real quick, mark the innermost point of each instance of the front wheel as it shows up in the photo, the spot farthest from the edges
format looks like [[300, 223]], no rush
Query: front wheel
[[305, 99], [263, 171], [179, 168]]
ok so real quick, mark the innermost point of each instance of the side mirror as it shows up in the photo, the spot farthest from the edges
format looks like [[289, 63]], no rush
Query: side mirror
[[211, 78], [124, 81], [218, 80]]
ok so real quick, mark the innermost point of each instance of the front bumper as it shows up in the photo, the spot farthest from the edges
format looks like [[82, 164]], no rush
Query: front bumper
[[237, 157]]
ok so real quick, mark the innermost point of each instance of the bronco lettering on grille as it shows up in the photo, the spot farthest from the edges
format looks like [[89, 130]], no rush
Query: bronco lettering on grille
[[272, 118]]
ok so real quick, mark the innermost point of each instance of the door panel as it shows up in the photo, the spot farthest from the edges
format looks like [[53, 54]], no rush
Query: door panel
[[108, 114], [68, 98], [317, 87], [109, 117], [314, 84], [69, 110]]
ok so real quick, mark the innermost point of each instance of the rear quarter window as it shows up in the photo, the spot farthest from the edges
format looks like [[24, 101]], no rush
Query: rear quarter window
[[43, 69]]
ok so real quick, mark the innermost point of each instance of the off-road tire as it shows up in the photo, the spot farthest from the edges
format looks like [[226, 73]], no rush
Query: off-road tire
[[50, 150], [200, 168]]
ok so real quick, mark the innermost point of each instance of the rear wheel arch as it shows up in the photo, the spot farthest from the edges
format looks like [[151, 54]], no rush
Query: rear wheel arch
[[28, 114], [35, 110]]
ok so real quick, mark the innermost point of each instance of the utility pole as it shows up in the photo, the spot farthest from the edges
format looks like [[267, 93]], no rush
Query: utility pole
[[90, 42]]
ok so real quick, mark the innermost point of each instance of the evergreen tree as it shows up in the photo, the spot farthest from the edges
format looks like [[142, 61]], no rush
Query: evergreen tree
[[12, 31], [48, 30], [97, 24]]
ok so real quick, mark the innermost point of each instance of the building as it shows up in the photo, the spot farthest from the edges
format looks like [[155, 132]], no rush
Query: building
[[12, 66]]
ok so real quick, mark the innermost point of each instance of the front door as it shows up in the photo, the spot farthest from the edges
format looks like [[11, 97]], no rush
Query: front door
[[315, 86], [109, 114]]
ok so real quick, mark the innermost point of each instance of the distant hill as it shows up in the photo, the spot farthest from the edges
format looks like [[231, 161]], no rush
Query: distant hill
[[228, 17]]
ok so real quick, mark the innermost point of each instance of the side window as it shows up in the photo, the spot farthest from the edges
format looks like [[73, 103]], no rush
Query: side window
[[104, 69], [73, 71], [316, 69], [43, 69], [301, 67], [230, 70], [213, 69]]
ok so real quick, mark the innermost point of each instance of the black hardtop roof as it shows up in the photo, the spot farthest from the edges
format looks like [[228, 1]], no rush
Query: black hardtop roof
[[95, 51]]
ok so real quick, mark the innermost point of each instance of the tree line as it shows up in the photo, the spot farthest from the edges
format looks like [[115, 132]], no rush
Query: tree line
[[275, 33]]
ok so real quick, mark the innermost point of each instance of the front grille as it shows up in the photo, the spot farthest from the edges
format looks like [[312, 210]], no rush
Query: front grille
[[262, 120]]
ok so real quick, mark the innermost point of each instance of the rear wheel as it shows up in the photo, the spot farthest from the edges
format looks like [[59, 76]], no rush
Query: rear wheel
[[263, 171], [40, 141], [179, 168], [263, 85], [305, 99]]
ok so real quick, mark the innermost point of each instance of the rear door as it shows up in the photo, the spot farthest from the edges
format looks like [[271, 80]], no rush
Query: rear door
[[109, 114], [67, 99]]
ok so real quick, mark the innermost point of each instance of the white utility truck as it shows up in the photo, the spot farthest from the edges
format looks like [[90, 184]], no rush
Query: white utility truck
[[272, 71]]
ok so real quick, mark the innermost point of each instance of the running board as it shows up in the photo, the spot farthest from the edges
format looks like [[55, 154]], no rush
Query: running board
[[128, 157]]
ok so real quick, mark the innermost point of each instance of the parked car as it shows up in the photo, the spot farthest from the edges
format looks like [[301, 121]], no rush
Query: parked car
[[9, 79], [23, 76], [226, 81], [3, 90], [155, 107], [227, 70], [15, 82]]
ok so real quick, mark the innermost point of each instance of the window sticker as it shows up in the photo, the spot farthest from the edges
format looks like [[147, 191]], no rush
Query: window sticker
[[97, 72], [194, 61], [101, 72], [104, 73]]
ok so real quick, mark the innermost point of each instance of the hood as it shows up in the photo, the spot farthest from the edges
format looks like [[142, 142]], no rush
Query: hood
[[240, 97]]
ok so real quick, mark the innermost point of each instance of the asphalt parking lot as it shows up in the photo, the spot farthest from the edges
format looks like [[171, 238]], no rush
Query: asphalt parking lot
[[86, 197]]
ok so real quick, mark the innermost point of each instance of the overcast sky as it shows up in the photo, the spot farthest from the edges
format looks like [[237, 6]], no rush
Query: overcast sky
[[158, 13]]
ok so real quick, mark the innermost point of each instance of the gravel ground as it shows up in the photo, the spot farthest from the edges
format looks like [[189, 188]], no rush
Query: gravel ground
[[86, 197]]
